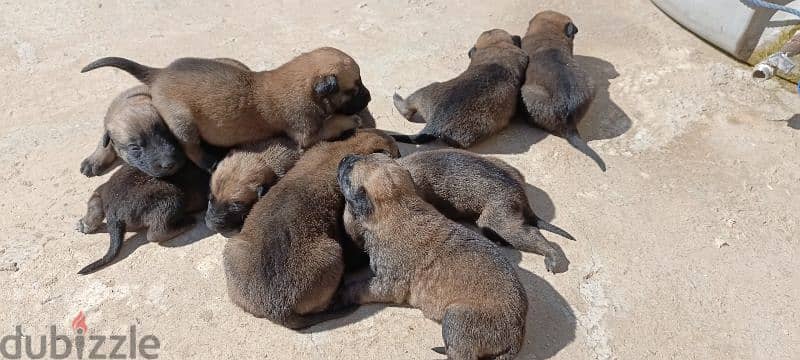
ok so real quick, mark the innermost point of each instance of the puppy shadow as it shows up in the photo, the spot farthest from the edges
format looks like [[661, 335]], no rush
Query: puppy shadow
[[551, 322], [605, 119], [794, 122], [540, 202], [517, 138]]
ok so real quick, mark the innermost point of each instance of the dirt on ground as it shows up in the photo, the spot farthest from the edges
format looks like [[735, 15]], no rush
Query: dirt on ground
[[687, 247]]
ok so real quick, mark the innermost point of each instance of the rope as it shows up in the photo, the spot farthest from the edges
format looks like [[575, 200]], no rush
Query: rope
[[771, 6]]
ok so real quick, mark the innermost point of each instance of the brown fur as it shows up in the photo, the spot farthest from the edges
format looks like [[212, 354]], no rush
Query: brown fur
[[477, 103], [286, 263], [421, 258], [244, 175], [208, 102], [557, 92], [488, 192], [133, 201]]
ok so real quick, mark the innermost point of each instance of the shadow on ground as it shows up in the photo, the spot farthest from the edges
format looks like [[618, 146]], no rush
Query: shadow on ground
[[794, 122]]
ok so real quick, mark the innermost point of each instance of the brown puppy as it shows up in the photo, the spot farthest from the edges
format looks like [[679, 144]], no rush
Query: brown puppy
[[130, 123], [286, 263], [205, 102], [557, 92], [477, 103], [488, 192], [419, 257], [135, 134], [132, 201], [242, 177]]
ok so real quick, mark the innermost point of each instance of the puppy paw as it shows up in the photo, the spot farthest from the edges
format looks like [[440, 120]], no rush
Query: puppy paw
[[87, 168], [83, 227], [556, 264]]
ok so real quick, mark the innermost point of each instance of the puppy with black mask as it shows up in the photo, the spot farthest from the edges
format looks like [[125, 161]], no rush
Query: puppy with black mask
[[557, 92], [210, 105], [421, 258], [477, 103]]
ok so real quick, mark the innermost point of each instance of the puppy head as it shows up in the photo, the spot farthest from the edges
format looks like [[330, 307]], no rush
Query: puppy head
[[141, 138], [337, 85], [495, 38], [237, 183], [369, 141], [554, 24], [370, 180]]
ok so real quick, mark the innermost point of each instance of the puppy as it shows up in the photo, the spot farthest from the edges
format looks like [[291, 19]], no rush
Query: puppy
[[242, 177], [421, 258], [135, 134], [488, 192], [286, 263], [477, 103], [132, 122], [209, 104], [557, 92], [132, 200]]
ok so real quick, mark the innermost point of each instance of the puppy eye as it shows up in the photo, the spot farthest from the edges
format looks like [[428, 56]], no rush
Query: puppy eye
[[134, 147]]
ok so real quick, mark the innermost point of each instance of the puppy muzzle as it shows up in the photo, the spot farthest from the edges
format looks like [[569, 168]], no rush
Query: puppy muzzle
[[225, 219], [358, 102]]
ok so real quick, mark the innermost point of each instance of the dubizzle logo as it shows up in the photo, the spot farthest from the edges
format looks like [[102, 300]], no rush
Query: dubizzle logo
[[80, 346]]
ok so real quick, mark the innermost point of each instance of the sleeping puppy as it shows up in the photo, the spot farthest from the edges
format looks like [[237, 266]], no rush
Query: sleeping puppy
[[557, 92], [477, 103], [134, 130], [135, 134], [286, 263], [488, 192], [133, 201], [208, 104], [421, 258], [242, 177]]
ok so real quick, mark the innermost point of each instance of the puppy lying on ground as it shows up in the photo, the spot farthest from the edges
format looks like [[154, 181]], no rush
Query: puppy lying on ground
[[488, 192], [133, 201], [477, 103], [286, 263], [421, 258], [557, 92], [135, 134], [134, 130], [207, 103], [242, 177]]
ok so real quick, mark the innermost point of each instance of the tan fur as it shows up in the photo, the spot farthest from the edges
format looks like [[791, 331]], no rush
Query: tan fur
[[423, 259], [287, 261]]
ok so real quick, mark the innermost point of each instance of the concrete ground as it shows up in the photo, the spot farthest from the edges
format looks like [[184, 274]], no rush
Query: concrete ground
[[687, 247]]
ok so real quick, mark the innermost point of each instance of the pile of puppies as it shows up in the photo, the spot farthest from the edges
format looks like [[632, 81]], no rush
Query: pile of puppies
[[322, 213]]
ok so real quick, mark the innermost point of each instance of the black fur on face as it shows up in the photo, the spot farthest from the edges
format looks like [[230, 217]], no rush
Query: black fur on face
[[570, 30], [517, 40], [156, 152], [359, 99], [471, 52], [356, 196], [224, 217]]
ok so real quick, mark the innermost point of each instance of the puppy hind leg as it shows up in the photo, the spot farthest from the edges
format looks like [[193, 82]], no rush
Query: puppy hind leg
[[166, 230], [92, 221], [513, 229], [458, 340], [405, 108]]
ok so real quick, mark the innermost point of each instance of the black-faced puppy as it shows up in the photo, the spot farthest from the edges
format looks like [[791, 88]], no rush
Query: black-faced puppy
[[205, 102], [421, 258], [488, 192], [286, 263], [133, 201], [557, 92], [134, 133], [477, 103], [242, 177]]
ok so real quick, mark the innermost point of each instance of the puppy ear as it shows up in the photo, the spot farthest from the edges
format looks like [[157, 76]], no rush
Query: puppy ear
[[570, 30], [106, 139], [326, 86], [359, 202], [471, 52], [517, 40], [262, 189]]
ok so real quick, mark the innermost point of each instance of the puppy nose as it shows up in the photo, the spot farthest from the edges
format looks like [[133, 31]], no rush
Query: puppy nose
[[167, 164]]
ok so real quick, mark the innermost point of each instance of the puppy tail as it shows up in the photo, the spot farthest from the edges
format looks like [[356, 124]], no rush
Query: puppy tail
[[577, 142], [440, 350], [145, 74], [408, 112], [546, 226], [116, 229], [414, 139]]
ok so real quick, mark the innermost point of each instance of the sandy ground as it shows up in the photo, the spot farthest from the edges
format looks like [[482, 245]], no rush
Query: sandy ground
[[687, 247]]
